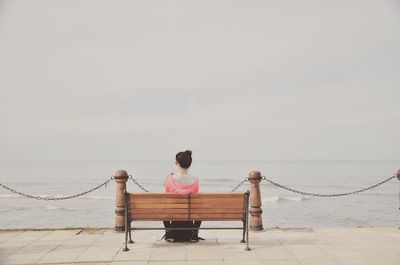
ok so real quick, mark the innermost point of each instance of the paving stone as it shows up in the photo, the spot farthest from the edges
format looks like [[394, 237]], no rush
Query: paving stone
[[319, 261], [136, 253], [307, 251], [205, 262], [96, 253], [22, 258], [202, 254], [238, 255], [369, 261], [30, 254], [240, 262], [129, 263], [167, 263], [8, 234], [6, 251], [31, 235], [354, 253], [281, 262], [169, 253], [330, 246], [276, 252], [60, 235], [63, 253]]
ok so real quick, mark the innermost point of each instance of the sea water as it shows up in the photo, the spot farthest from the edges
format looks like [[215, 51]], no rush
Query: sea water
[[378, 207]]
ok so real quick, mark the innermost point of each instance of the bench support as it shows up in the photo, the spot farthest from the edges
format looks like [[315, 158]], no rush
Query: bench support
[[127, 222], [244, 232], [244, 228], [247, 220]]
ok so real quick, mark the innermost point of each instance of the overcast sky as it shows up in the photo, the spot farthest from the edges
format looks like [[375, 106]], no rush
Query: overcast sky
[[231, 80]]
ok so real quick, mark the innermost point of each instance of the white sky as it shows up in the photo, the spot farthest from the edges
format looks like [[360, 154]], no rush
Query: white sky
[[231, 80]]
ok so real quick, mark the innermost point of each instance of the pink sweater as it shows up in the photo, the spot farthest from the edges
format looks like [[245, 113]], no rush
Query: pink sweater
[[175, 185]]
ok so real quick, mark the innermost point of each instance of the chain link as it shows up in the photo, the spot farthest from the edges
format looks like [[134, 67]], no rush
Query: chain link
[[239, 185], [52, 198], [138, 184], [328, 195]]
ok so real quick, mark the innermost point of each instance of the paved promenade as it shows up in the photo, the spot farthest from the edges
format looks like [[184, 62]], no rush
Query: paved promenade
[[348, 246]]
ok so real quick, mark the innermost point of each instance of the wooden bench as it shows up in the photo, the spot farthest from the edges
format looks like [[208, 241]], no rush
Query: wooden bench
[[192, 207]]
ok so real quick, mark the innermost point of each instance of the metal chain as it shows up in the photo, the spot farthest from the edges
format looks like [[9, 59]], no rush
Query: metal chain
[[239, 185], [51, 198], [138, 184], [328, 195]]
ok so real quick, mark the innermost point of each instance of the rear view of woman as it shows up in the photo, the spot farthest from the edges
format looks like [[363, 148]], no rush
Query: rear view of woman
[[181, 182]]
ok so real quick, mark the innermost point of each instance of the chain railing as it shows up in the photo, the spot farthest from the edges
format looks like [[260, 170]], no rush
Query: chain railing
[[239, 185], [327, 195], [58, 198], [104, 184], [138, 184]]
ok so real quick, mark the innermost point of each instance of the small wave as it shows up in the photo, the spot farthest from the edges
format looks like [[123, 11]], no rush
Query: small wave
[[99, 197], [57, 196], [283, 198], [9, 196], [55, 208], [17, 208]]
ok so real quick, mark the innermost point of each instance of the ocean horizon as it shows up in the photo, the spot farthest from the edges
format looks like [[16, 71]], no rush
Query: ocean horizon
[[377, 207]]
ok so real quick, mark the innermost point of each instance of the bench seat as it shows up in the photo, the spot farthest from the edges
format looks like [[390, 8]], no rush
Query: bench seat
[[232, 206]]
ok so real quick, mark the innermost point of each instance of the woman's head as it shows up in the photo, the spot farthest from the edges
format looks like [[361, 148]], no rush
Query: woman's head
[[184, 159]]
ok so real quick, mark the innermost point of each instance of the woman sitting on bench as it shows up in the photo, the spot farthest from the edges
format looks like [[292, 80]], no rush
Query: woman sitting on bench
[[182, 183]]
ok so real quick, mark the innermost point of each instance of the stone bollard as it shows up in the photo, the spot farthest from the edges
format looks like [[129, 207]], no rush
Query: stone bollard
[[121, 177], [255, 201]]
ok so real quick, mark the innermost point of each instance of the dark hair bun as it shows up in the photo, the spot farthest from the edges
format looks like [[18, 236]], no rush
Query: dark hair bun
[[184, 158]]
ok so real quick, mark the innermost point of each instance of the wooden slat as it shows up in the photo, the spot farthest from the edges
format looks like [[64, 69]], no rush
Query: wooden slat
[[215, 206], [159, 200], [217, 195], [148, 195], [238, 202], [218, 216], [186, 211], [226, 200], [196, 217], [161, 211], [159, 219], [170, 206], [152, 194], [170, 194], [193, 195], [138, 205], [159, 216], [196, 197], [218, 210]]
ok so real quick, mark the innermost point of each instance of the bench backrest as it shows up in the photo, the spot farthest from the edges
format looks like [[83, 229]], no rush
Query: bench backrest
[[193, 207]]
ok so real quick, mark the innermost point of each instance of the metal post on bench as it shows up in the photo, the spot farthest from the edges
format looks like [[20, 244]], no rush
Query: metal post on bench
[[255, 201], [121, 177]]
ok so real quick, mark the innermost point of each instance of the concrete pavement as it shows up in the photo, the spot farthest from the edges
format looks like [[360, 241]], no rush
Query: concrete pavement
[[331, 246]]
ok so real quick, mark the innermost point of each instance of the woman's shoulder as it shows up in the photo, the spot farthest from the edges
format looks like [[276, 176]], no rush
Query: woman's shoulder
[[169, 177]]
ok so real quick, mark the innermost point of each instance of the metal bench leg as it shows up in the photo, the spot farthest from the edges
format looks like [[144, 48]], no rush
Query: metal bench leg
[[126, 242], [247, 239], [247, 222], [130, 236], [244, 232], [127, 225]]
